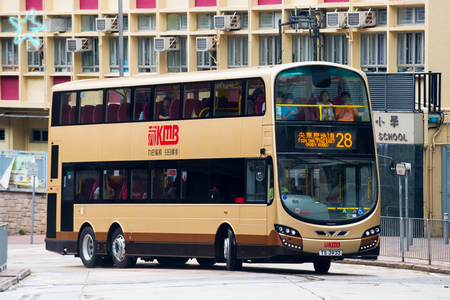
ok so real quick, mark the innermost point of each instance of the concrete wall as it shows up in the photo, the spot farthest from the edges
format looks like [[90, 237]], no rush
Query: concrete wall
[[15, 209]]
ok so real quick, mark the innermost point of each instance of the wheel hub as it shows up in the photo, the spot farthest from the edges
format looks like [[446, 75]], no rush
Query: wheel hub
[[118, 247]]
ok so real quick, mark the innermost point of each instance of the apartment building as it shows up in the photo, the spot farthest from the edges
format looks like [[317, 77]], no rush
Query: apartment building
[[81, 42]]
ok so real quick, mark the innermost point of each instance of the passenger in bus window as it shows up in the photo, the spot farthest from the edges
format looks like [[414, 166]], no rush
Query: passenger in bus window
[[289, 112], [110, 195], [251, 105], [137, 192], [346, 113], [326, 106], [279, 99], [163, 113]]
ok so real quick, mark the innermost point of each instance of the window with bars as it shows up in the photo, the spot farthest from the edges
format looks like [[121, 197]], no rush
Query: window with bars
[[410, 15], [114, 54], [373, 52], [206, 60], [269, 19], [88, 22], [176, 21], [146, 22], [336, 48], [177, 60], [31, 25], [7, 26], [35, 61], [237, 49], [382, 16], [146, 55], [410, 52], [269, 50], [63, 59], [10, 55], [205, 21], [90, 60], [39, 135], [302, 48]]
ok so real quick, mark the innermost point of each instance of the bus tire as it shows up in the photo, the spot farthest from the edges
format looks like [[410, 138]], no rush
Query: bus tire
[[230, 252], [119, 256], [322, 265], [206, 262], [88, 248]]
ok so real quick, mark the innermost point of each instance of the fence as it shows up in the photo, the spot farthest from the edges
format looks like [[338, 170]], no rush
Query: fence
[[415, 238], [3, 246]]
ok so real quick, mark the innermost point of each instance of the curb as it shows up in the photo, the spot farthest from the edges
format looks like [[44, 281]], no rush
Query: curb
[[396, 265], [9, 278]]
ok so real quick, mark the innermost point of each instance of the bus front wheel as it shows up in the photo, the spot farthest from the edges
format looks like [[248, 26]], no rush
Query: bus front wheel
[[230, 252], [119, 256], [87, 248], [322, 265]]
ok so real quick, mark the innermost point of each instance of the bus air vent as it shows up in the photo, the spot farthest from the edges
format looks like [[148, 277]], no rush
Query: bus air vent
[[321, 233]]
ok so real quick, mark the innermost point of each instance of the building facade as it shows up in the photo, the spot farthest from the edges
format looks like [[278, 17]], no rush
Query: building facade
[[390, 36]]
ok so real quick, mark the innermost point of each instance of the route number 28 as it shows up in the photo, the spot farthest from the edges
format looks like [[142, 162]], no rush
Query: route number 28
[[344, 140]]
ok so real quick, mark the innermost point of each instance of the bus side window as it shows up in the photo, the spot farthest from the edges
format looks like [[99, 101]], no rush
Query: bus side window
[[255, 104], [256, 183], [142, 104], [226, 173], [167, 102], [228, 98], [193, 107], [88, 179], [67, 101], [90, 101]]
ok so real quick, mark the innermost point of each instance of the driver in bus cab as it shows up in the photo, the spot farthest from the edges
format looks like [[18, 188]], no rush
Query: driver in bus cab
[[283, 190]]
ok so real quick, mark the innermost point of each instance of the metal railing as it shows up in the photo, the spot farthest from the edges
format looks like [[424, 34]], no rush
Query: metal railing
[[3, 246], [415, 238]]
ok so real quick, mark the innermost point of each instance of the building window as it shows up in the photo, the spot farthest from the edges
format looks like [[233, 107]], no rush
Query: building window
[[382, 16], [206, 60], [410, 15], [146, 55], [237, 51], [114, 54], [146, 22], [2, 135], [31, 25], [176, 21], [39, 135], [373, 52], [88, 23], [269, 50], [63, 59], [205, 21], [10, 55], [410, 52], [269, 19], [35, 61], [177, 60], [7, 26], [336, 48], [302, 48], [90, 59]]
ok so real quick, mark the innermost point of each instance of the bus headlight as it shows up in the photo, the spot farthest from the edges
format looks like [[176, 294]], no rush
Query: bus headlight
[[289, 237], [287, 230]]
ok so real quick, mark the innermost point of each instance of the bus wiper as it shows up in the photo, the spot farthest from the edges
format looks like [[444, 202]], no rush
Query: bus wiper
[[321, 155]]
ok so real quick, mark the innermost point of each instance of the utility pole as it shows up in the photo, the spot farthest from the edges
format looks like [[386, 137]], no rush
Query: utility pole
[[121, 73]]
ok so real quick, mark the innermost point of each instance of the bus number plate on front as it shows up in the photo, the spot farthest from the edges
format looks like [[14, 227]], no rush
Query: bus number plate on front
[[330, 252]]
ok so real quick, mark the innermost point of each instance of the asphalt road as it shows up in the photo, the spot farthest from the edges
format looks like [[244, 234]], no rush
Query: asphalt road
[[64, 277]]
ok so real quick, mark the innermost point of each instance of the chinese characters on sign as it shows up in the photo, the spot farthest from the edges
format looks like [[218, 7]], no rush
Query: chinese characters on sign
[[330, 140], [165, 135], [390, 136]]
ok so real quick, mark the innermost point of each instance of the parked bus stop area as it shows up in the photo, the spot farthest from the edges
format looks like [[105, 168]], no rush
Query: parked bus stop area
[[9, 277]]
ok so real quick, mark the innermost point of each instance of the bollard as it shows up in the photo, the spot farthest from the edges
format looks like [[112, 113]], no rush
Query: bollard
[[445, 229], [3, 246]]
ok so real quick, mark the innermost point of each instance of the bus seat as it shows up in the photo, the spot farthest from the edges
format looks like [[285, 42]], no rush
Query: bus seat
[[158, 106], [337, 100], [72, 113], [259, 104], [95, 185], [137, 110], [174, 109], [147, 110], [123, 113], [86, 114], [123, 191], [86, 189], [190, 106], [97, 114], [65, 109], [111, 112]]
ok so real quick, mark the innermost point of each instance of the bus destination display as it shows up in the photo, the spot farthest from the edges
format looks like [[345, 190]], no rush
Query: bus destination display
[[333, 139]]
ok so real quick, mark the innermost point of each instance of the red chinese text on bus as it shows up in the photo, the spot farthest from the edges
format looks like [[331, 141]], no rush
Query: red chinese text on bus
[[163, 135]]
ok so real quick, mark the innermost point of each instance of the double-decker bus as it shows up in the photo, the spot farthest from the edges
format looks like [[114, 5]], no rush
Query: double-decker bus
[[264, 164]]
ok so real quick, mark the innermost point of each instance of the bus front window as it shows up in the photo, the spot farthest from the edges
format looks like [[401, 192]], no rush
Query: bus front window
[[327, 190]]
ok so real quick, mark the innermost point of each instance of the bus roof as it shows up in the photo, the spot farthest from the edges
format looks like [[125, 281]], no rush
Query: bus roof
[[151, 79]]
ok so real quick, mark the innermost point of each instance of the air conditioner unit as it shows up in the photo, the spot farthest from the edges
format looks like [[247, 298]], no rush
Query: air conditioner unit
[[227, 22], [167, 44], [362, 19], [205, 43], [336, 19], [55, 25], [107, 24], [31, 47], [79, 45]]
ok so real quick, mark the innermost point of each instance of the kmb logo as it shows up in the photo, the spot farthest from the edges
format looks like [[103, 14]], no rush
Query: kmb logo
[[163, 135], [332, 244]]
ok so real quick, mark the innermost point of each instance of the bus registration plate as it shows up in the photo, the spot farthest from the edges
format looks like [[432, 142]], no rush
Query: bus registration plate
[[330, 252]]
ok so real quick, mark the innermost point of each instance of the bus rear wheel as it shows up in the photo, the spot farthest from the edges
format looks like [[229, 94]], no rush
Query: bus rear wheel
[[322, 265], [230, 252], [87, 248], [119, 256]]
